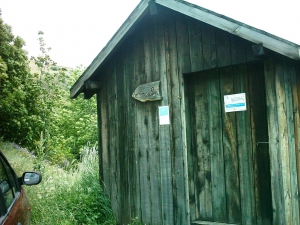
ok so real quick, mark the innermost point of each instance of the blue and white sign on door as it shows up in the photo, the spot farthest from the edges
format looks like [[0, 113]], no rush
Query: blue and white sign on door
[[235, 102]]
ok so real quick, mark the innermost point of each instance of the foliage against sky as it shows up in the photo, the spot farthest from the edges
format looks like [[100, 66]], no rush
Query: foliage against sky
[[35, 109]]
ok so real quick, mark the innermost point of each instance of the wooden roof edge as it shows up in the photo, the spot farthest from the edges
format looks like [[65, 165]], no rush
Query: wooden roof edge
[[136, 15], [247, 32], [235, 27]]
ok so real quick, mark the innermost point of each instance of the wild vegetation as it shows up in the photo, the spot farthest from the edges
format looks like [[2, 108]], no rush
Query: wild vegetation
[[35, 109], [67, 196], [58, 135]]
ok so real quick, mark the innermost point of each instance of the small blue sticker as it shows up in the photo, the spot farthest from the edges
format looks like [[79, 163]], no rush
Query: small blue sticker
[[164, 111]]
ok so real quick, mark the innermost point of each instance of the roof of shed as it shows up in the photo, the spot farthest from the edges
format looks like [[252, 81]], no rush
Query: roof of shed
[[222, 22]]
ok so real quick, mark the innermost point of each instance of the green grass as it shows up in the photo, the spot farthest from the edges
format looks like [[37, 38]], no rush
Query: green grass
[[65, 196]]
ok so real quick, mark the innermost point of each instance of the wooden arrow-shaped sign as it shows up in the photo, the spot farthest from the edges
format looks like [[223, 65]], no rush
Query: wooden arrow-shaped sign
[[148, 92]]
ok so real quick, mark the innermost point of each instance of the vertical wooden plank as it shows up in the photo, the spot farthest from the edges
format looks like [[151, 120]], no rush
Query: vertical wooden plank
[[216, 148], [138, 78], [195, 43], [107, 94], [273, 125], [260, 144], [223, 48], [144, 136], [230, 151], [209, 47], [238, 50], [152, 72], [203, 163], [184, 145], [100, 148], [283, 140], [296, 102], [178, 121], [123, 135], [103, 137], [288, 73], [164, 130], [120, 136], [129, 140], [161, 31], [113, 142], [191, 144], [245, 149]]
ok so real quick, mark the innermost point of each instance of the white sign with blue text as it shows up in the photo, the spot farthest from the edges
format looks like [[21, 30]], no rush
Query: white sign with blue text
[[164, 118], [235, 102]]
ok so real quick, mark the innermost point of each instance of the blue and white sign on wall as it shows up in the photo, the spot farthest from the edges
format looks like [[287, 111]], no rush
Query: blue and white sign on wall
[[164, 117], [235, 102]]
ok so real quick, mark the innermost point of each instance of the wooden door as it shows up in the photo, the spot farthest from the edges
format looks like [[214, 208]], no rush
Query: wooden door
[[228, 159]]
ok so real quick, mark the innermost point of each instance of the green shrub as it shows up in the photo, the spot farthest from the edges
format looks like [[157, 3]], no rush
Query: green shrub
[[37, 106], [70, 195]]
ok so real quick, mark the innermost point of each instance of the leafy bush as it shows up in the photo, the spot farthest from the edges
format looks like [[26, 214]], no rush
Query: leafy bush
[[19, 91], [69, 124], [35, 109], [70, 195]]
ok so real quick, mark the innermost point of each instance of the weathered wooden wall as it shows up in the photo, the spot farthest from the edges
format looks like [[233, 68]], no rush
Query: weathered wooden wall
[[144, 165], [282, 91]]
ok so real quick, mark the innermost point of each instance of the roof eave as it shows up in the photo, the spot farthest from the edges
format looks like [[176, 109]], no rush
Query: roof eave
[[136, 15], [222, 22], [249, 33]]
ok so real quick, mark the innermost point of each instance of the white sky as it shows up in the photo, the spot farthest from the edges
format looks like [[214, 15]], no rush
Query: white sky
[[77, 30]]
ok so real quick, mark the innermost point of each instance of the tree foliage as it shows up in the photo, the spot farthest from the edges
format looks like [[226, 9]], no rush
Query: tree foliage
[[35, 109], [18, 90]]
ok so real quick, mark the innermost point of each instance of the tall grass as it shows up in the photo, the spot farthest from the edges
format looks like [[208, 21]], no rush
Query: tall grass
[[65, 196]]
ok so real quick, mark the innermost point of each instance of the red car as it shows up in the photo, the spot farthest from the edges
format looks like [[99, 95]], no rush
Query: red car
[[14, 205]]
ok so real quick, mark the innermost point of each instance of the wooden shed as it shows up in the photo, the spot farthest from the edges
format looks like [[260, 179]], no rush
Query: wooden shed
[[198, 118]]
